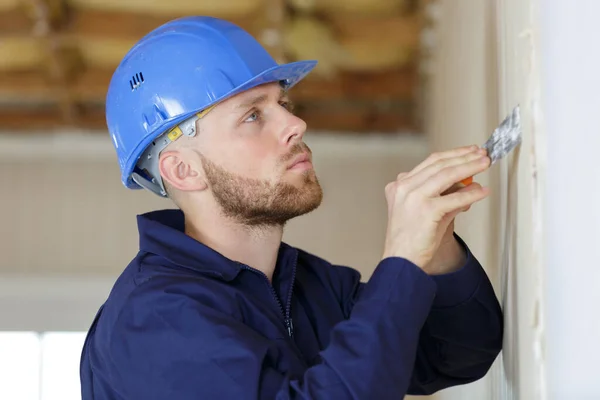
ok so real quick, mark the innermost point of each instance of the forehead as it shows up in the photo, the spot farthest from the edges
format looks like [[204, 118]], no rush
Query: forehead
[[268, 90], [234, 106]]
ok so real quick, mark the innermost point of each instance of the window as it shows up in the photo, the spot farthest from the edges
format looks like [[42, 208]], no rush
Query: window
[[40, 366], [20, 366]]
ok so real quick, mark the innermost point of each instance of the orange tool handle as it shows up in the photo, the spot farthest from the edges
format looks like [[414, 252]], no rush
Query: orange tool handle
[[467, 181]]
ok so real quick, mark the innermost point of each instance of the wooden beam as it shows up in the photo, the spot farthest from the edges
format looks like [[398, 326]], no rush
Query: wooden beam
[[91, 85], [403, 30], [61, 60], [23, 85], [19, 53], [394, 84], [357, 118], [50, 118], [15, 22], [324, 105], [226, 9], [133, 26], [338, 119], [92, 117], [28, 119], [56, 13]]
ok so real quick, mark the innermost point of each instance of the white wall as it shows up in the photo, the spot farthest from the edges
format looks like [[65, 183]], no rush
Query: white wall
[[571, 78]]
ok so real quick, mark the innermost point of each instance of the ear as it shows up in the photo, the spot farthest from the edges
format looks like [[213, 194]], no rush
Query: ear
[[181, 169]]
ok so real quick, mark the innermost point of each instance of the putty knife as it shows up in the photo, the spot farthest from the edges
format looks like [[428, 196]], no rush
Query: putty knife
[[505, 138]]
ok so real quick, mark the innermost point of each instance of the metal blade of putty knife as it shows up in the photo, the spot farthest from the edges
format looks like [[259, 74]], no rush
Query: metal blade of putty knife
[[506, 137]]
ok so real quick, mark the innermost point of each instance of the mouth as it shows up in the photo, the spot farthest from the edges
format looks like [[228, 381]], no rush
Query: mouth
[[301, 162]]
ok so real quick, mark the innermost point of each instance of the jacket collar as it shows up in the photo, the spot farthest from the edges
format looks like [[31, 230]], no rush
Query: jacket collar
[[163, 233]]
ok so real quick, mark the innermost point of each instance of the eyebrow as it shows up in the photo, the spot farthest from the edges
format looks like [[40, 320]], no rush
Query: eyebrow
[[256, 100]]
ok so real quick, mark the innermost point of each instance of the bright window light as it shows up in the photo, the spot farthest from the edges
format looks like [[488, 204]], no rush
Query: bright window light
[[61, 353], [20, 366]]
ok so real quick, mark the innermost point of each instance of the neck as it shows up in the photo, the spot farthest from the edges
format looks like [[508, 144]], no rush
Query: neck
[[256, 247]]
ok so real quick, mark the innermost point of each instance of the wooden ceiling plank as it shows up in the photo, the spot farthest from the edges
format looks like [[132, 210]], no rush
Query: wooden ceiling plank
[[356, 119], [225, 9], [49, 16], [133, 26], [9, 4], [25, 84], [15, 22], [92, 85], [352, 101], [27, 119], [391, 84], [401, 30], [21, 52], [24, 119]]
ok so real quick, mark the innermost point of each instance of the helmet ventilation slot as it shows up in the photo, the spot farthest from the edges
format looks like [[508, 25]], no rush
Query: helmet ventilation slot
[[136, 81]]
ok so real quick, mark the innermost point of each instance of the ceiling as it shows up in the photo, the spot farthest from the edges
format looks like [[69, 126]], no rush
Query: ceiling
[[57, 56]]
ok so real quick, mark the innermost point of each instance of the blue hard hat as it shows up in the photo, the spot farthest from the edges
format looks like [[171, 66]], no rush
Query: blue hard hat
[[172, 74]]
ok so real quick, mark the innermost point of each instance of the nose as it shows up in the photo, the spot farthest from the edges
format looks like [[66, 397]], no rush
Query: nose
[[295, 127]]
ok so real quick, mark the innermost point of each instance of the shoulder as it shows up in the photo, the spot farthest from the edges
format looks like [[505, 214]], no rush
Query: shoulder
[[150, 292], [179, 287]]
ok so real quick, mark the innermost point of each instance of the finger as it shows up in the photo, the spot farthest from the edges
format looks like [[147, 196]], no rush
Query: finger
[[473, 186], [460, 200], [434, 157], [460, 187], [448, 176], [446, 165]]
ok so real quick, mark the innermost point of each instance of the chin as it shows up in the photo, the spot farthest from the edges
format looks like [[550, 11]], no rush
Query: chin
[[301, 178], [311, 194]]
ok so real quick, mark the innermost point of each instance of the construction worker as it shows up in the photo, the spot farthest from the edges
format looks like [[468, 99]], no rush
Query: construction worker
[[214, 305]]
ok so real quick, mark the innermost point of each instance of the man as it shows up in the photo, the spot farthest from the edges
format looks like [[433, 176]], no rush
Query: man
[[214, 305]]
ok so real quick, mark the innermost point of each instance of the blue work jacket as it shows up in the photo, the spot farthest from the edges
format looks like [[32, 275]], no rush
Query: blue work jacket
[[184, 322]]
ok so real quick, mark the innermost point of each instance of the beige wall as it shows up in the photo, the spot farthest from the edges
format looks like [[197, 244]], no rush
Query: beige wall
[[64, 210]]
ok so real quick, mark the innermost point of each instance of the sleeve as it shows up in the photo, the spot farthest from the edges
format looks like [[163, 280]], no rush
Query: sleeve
[[185, 348], [463, 333]]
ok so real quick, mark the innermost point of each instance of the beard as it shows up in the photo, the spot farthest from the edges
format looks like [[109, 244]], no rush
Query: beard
[[262, 203]]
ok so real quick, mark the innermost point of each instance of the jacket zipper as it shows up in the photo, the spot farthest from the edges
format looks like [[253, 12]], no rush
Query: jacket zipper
[[284, 312], [290, 324]]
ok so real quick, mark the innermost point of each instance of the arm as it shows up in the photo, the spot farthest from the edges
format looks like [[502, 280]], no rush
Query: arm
[[184, 345], [462, 335]]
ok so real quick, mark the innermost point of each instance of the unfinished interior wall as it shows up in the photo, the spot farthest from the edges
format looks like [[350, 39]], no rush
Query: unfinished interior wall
[[485, 63]]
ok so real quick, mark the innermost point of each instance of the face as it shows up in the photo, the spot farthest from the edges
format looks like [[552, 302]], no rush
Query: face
[[254, 159]]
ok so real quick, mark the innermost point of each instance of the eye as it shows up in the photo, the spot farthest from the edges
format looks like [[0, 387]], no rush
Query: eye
[[253, 117], [288, 105]]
